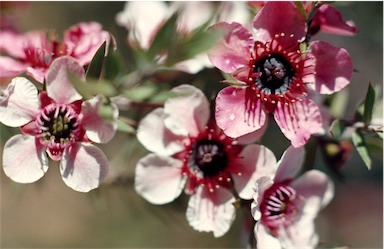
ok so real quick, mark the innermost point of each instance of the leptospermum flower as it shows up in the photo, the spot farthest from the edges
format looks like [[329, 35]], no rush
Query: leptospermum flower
[[144, 19], [189, 152], [286, 206], [58, 123], [274, 75], [33, 52]]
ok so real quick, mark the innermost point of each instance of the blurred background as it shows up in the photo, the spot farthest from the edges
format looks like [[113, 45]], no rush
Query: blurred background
[[48, 214]]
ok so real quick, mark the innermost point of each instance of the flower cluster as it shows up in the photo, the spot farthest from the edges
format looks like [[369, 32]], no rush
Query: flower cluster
[[65, 95]]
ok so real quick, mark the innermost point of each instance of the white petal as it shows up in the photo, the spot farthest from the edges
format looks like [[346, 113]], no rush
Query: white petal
[[59, 86], [152, 133], [98, 129], [211, 212], [264, 239], [19, 103], [257, 161], [83, 166], [23, 160], [290, 163], [186, 113], [159, 179]]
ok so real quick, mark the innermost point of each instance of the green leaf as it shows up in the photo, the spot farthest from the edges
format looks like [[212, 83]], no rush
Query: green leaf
[[361, 147], [96, 65], [369, 104], [339, 103], [337, 128], [140, 93], [124, 125], [301, 9], [92, 87], [164, 37]]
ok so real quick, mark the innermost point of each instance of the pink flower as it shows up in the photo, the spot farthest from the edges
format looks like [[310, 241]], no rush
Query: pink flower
[[285, 207], [273, 74], [144, 19], [33, 52], [189, 152], [57, 122]]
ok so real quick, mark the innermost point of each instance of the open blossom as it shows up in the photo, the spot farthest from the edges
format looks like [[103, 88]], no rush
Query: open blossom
[[33, 52], [144, 19], [286, 206], [274, 75], [189, 152], [58, 123]]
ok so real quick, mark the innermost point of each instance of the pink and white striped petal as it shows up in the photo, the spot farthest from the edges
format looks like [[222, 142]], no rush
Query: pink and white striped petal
[[298, 120], [19, 167], [159, 179], [233, 116], [19, 103], [211, 212], [83, 166]]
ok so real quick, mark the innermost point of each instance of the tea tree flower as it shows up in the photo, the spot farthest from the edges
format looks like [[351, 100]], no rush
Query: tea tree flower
[[285, 207], [58, 123], [274, 75], [33, 52], [189, 152]]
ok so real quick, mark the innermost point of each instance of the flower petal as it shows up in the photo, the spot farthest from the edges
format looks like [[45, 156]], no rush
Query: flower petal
[[317, 190], [154, 136], [232, 51], [59, 87], [290, 163], [186, 113], [19, 103], [232, 115], [21, 168], [268, 21], [83, 166], [211, 212], [10, 67], [330, 21], [298, 120], [159, 179], [264, 238], [257, 161], [333, 67], [262, 184], [98, 129]]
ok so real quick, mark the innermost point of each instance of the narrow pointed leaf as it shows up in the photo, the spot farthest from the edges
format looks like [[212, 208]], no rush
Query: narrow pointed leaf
[[96, 65], [361, 147], [369, 104]]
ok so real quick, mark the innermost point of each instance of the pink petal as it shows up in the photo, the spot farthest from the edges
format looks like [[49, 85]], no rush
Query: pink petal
[[159, 179], [13, 44], [317, 190], [187, 112], [278, 17], [301, 234], [330, 20], [298, 120], [333, 67], [211, 212], [232, 115], [232, 51], [19, 103], [10, 67], [38, 73], [290, 163], [257, 161], [253, 136], [98, 129], [83, 167], [19, 167], [154, 136], [59, 87]]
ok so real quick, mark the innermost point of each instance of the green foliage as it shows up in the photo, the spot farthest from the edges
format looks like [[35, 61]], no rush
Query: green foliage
[[361, 147], [96, 65]]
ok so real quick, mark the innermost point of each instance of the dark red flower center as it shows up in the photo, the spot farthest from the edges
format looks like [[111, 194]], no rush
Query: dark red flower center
[[209, 157], [58, 128], [278, 207]]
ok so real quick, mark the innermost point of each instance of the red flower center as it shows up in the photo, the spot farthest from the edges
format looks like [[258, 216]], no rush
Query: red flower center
[[58, 128], [276, 73], [278, 207]]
